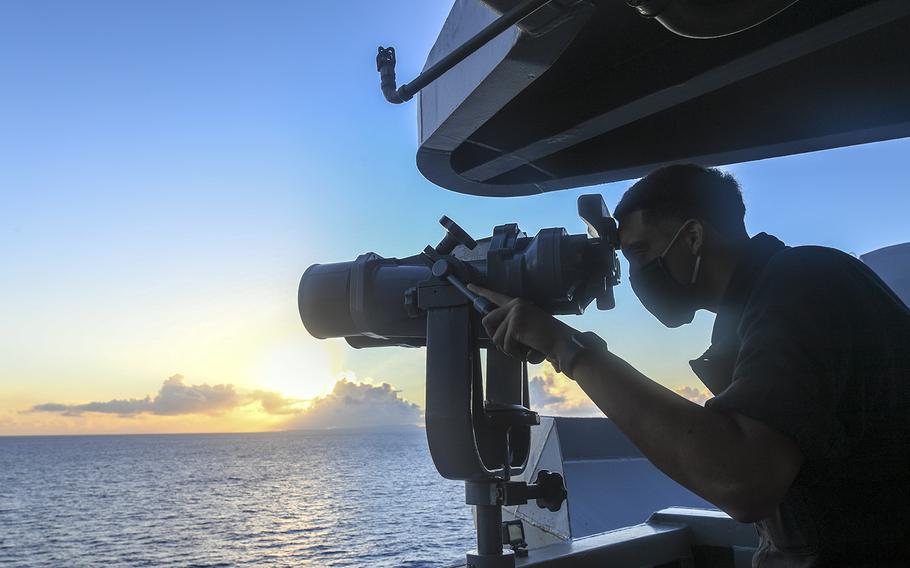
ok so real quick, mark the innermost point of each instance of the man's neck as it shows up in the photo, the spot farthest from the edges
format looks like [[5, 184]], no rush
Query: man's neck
[[719, 267]]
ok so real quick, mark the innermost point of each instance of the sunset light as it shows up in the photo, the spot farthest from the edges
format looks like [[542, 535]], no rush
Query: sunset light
[[299, 369], [461, 283]]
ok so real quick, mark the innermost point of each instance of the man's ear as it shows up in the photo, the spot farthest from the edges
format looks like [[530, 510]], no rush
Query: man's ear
[[694, 236]]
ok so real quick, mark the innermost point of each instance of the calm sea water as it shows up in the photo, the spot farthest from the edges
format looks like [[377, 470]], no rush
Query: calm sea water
[[277, 499]]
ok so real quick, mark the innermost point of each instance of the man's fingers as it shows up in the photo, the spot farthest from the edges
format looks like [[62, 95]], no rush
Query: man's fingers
[[508, 340], [511, 344], [499, 338], [499, 322], [495, 297], [492, 321]]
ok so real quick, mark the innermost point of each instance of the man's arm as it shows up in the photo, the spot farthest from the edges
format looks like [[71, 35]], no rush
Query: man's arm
[[740, 465], [735, 462]]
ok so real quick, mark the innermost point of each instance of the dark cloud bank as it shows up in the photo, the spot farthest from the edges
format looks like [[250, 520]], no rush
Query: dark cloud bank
[[349, 405]]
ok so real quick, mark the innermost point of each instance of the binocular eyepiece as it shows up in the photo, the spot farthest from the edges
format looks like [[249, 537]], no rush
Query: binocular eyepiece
[[375, 301]]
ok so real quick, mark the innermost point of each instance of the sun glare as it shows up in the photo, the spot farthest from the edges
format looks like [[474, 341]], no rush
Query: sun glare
[[298, 369]]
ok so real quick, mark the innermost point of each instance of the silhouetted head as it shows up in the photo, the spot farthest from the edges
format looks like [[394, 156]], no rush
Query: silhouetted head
[[675, 223]]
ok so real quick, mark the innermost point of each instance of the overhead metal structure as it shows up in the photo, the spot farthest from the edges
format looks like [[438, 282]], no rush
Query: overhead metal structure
[[585, 92]]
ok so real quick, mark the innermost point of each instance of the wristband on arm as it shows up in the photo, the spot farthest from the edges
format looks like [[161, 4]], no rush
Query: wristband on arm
[[565, 358]]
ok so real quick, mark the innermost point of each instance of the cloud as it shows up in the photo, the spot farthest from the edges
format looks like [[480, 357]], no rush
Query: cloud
[[695, 395], [555, 394], [177, 398], [174, 398], [50, 407], [351, 404], [358, 405], [275, 403]]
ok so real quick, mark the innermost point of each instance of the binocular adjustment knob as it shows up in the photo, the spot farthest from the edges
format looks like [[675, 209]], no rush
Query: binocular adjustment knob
[[455, 235], [550, 489]]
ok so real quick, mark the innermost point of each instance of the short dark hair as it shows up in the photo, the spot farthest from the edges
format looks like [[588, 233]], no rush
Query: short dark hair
[[687, 191]]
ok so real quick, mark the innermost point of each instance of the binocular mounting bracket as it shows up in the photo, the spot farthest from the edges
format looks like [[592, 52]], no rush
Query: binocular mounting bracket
[[481, 438]]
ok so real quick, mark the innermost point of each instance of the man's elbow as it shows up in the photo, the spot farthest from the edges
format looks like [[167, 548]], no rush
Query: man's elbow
[[768, 468], [749, 513], [749, 503]]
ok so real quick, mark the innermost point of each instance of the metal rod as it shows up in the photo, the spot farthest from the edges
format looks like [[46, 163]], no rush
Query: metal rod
[[484, 307], [507, 463], [489, 529], [482, 38], [481, 304], [406, 91]]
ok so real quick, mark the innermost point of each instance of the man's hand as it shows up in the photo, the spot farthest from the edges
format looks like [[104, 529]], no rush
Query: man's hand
[[517, 325]]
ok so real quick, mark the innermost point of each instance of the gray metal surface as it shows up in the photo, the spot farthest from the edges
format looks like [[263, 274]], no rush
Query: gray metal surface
[[462, 100], [641, 545], [892, 264], [675, 536], [610, 484]]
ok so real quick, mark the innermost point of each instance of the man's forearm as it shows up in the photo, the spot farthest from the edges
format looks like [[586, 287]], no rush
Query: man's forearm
[[706, 451]]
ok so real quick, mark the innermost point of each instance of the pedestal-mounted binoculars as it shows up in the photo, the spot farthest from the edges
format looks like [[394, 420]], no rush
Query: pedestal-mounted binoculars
[[375, 301], [475, 434]]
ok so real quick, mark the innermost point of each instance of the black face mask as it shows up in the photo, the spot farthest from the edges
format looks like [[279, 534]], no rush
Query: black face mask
[[668, 300]]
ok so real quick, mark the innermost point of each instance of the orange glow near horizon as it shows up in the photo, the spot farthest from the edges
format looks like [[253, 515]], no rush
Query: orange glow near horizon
[[299, 370], [244, 419]]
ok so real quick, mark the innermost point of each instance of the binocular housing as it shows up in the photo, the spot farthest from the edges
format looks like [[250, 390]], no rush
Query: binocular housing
[[375, 301]]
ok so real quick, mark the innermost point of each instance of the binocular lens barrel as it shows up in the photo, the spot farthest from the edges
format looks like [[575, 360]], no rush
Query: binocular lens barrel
[[362, 298], [323, 300]]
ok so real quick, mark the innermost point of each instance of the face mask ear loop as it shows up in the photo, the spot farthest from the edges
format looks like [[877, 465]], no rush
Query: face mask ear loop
[[695, 271], [676, 236], [673, 240]]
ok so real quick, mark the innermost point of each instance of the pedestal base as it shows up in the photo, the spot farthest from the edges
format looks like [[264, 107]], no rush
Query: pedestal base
[[504, 560]]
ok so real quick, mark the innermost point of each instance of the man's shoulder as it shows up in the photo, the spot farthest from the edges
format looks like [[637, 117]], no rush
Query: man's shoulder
[[806, 276], [810, 267], [809, 261]]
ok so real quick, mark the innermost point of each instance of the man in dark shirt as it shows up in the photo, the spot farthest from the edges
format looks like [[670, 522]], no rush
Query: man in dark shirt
[[808, 435]]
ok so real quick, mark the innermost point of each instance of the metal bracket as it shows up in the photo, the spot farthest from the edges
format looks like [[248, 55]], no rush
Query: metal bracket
[[385, 58]]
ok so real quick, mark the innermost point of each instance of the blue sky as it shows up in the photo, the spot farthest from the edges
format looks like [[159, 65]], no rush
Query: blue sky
[[169, 169]]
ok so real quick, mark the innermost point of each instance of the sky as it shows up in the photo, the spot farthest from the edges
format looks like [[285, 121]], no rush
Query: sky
[[169, 169]]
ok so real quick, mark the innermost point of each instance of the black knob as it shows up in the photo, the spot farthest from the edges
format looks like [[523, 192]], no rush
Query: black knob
[[441, 268], [455, 235], [550, 490]]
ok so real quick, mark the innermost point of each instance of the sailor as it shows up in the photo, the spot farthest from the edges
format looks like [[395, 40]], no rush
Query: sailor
[[808, 433]]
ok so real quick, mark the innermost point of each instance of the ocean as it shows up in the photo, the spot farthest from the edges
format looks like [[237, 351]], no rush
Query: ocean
[[307, 498]]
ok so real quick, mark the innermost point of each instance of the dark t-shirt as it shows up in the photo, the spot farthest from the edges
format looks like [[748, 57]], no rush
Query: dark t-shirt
[[810, 342]]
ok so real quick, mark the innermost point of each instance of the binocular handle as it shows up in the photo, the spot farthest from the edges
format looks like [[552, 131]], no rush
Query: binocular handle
[[442, 269], [485, 306]]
